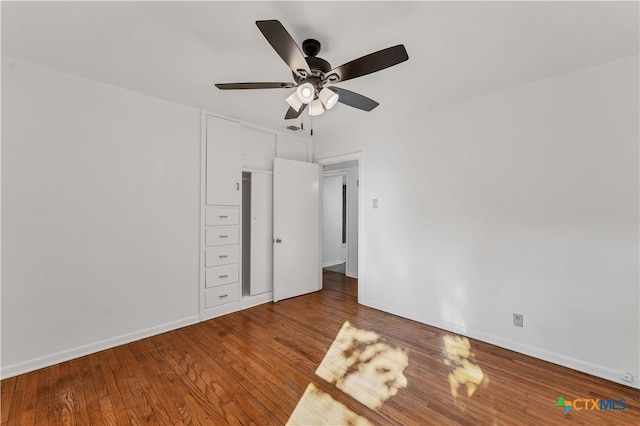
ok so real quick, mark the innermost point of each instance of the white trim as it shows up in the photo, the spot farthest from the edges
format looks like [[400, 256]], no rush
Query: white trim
[[244, 303], [532, 351], [203, 207], [66, 355], [329, 173], [341, 159], [258, 299], [243, 123], [260, 171], [218, 311], [328, 264]]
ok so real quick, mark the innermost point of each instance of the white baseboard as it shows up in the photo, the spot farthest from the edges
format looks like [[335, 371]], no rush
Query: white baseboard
[[244, 303], [259, 299], [533, 351], [58, 357], [351, 275], [333, 263]]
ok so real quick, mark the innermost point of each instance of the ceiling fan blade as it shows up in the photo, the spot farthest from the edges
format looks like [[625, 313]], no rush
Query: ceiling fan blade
[[238, 86], [284, 45], [354, 99], [292, 113], [370, 63]]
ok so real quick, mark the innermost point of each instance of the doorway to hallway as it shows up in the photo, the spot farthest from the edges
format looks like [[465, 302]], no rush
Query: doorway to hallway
[[340, 199], [340, 268]]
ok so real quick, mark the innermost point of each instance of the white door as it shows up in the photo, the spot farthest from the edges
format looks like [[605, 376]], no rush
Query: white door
[[296, 228], [261, 246], [224, 161]]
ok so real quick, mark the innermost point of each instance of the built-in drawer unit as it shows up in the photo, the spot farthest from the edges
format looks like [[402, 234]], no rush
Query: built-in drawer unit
[[221, 255], [221, 235], [220, 216], [220, 295], [221, 267], [219, 275]]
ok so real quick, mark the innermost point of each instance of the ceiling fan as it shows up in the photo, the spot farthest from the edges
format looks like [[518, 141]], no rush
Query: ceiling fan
[[313, 75]]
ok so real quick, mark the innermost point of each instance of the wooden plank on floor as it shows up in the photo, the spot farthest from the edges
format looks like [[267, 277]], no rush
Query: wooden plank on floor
[[7, 394]]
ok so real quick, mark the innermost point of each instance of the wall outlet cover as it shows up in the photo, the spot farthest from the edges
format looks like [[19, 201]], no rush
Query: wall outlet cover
[[518, 320]]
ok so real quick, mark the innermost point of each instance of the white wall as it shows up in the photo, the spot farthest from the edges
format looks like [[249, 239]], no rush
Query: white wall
[[352, 221], [100, 216], [332, 221], [524, 200]]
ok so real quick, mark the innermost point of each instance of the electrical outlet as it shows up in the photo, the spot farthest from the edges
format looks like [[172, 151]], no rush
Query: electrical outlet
[[518, 320], [375, 203], [627, 377]]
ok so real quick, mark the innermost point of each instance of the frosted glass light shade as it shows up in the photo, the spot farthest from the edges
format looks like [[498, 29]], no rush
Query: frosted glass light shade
[[328, 97], [294, 102], [305, 93], [316, 108]]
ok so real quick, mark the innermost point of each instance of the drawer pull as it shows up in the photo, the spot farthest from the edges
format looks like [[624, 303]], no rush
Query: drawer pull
[[223, 256], [223, 276], [223, 216], [224, 236], [223, 295]]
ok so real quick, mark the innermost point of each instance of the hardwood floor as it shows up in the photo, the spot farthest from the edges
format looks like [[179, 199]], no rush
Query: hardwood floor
[[253, 366], [340, 268]]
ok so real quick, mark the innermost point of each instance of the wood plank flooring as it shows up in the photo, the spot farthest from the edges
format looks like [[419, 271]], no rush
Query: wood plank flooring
[[253, 366]]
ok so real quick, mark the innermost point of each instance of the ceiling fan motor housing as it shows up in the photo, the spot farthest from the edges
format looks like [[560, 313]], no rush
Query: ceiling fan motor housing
[[318, 66]]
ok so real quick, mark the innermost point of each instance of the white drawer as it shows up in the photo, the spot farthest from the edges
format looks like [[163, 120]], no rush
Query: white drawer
[[222, 255], [221, 235], [220, 295], [219, 275], [215, 216]]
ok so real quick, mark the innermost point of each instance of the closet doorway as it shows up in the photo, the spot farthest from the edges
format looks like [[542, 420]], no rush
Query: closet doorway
[[340, 200]]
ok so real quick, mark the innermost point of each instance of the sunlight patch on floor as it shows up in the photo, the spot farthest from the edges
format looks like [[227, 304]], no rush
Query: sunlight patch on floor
[[465, 372], [359, 364], [319, 408], [363, 367]]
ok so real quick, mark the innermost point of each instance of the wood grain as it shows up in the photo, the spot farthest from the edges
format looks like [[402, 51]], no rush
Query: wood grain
[[253, 366]]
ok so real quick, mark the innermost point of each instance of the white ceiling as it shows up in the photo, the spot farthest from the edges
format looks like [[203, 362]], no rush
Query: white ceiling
[[457, 50]]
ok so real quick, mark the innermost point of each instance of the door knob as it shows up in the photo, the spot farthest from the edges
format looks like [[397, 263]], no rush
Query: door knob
[[278, 240]]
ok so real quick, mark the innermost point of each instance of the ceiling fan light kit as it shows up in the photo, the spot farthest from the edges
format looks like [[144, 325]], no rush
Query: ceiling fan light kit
[[306, 93], [316, 108], [328, 97], [312, 73], [294, 101]]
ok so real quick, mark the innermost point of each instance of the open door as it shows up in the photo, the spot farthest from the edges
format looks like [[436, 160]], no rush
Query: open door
[[296, 228]]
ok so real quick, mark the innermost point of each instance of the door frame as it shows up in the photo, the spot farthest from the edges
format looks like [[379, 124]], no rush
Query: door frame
[[341, 159]]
